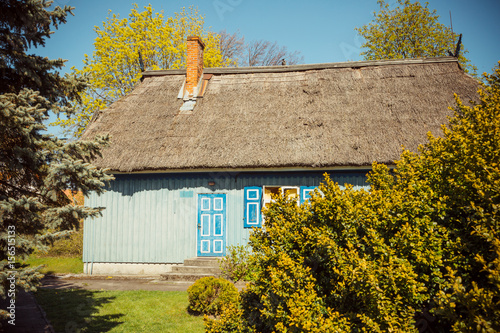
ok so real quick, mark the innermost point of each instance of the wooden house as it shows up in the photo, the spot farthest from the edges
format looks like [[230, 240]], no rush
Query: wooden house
[[196, 153]]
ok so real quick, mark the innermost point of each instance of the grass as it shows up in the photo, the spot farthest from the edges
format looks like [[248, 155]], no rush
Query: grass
[[78, 310], [56, 264]]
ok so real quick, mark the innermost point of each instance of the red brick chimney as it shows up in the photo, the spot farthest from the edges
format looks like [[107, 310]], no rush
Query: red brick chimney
[[195, 47]]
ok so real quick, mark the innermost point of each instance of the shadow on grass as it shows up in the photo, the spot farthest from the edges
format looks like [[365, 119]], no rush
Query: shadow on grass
[[74, 310]]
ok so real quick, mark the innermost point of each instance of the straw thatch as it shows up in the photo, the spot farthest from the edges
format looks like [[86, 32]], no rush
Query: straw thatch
[[325, 115]]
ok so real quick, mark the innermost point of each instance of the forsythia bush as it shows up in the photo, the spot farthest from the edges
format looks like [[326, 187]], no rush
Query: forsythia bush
[[419, 252]]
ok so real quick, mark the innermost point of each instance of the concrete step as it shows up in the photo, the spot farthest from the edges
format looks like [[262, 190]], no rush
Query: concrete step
[[203, 262], [183, 276], [193, 269], [196, 270]]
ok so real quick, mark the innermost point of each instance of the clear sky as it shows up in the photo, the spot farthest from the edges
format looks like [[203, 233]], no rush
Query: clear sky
[[322, 30]]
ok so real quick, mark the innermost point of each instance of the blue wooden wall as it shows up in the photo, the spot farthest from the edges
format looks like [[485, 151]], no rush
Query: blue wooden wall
[[152, 218]]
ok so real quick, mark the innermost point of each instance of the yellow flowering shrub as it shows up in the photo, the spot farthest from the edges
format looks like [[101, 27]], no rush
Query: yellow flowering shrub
[[418, 252]]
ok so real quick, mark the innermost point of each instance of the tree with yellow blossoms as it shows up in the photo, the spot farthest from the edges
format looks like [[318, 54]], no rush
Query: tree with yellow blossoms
[[409, 30], [144, 39]]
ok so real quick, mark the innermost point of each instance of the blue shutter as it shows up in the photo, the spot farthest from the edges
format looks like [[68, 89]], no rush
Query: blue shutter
[[305, 193], [253, 197]]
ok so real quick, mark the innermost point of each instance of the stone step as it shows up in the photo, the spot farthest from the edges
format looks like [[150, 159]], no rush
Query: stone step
[[183, 276], [204, 262], [196, 270]]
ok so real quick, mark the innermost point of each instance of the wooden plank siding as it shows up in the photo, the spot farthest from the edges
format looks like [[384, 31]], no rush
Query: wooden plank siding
[[152, 218]]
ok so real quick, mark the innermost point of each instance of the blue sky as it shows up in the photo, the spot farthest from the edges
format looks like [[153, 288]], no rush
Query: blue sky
[[322, 30]]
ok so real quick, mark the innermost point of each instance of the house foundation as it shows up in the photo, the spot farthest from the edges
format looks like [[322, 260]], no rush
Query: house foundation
[[106, 268]]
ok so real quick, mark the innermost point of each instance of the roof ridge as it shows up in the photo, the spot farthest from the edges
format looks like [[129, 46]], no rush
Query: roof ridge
[[305, 67]]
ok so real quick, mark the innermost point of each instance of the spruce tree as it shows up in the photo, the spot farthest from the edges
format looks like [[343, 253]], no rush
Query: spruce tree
[[35, 168]]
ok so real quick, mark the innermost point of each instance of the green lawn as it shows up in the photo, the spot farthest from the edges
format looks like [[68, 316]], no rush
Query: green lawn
[[78, 310], [56, 264]]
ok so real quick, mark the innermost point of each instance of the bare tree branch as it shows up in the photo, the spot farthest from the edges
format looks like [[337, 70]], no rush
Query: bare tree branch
[[231, 46], [255, 53]]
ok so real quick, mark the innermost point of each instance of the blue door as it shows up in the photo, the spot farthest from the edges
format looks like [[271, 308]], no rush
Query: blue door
[[211, 225]]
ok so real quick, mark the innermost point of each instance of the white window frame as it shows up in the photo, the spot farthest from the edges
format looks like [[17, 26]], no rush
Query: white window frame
[[282, 189]]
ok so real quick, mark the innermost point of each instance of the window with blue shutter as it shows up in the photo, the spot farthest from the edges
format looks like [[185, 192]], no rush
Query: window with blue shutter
[[305, 193], [253, 198]]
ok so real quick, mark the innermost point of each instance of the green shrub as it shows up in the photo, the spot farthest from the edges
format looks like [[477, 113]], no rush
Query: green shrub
[[70, 246], [209, 295], [237, 265]]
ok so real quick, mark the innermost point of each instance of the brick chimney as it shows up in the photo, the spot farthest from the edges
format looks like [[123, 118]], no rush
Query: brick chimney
[[195, 47]]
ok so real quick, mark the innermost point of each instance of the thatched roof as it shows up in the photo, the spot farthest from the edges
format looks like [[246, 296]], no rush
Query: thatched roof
[[325, 115]]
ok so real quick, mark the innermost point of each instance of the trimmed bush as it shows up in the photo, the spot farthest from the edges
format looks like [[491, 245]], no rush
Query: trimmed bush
[[209, 295]]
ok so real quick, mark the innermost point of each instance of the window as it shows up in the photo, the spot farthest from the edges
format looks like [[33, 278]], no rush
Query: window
[[252, 207], [257, 197], [291, 192], [305, 193]]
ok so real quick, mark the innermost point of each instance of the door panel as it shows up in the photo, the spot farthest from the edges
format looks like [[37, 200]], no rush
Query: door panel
[[211, 225]]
